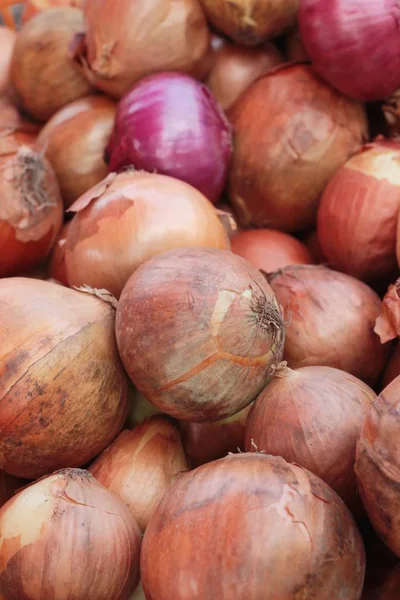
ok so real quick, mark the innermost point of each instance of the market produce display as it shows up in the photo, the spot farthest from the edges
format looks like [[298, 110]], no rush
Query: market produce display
[[199, 300]]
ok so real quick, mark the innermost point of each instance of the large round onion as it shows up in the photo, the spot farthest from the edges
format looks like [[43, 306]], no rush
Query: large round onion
[[42, 73], [357, 216], [292, 133], [7, 42], [63, 391], [146, 135], [33, 7], [312, 417], [199, 332], [331, 319], [131, 217], [125, 41], [252, 526], [66, 536], [74, 140]]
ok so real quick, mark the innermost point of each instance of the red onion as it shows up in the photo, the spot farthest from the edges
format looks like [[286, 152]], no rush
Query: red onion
[[170, 123]]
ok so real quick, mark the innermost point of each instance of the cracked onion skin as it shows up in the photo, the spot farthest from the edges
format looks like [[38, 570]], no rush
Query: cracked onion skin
[[274, 530], [66, 537], [214, 337]]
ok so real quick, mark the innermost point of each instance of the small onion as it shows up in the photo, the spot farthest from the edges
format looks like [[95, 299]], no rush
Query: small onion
[[74, 140], [252, 526], [7, 42], [67, 537], [292, 133], [199, 332], [33, 7], [8, 486], [169, 123], [131, 217], [140, 465], [57, 268], [331, 318], [63, 391], [43, 75], [393, 368], [388, 322]]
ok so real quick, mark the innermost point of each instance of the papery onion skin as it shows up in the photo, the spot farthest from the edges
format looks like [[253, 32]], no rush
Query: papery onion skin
[[215, 336], [291, 134], [33, 7], [313, 417], [331, 318], [43, 75], [146, 135], [393, 368], [387, 324], [288, 533], [131, 217], [74, 140], [391, 113], [63, 391], [73, 532], [7, 42], [57, 268], [8, 486], [357, 215], [140, 465]]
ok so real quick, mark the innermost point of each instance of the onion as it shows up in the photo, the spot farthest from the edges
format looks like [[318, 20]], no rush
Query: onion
[[270, 250], [251, 21], [292, 133], [313, 417], [31, 208], [356, 50], [33, 7], [45, 78], [140, 466], [237, 67], [388, 322], [63, 394], [125, 41], [357, 216], [74, 140], [131, 217], [393, 367], [214, 339], [57, 268], [8, 486], [170, 123], [294, 47], [331, 318], [264, 528], [66, 536], [7, 41]]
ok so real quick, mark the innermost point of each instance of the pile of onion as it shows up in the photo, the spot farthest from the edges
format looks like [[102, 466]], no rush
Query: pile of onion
[[57, 269], [7, 42], [42, 73], [66, 536], [292, 133], [199, 332], [127, 219], [170, 123], [277, 531], [63, 394], [74, 140], [33, 7], [330, 321]]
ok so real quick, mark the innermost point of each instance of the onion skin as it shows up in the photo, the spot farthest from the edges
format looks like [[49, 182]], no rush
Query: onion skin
[[393, 368], [282, 522], [331, 321], [291, 134], [387, 324], [131, 217], [74, 140], [63, 392], [33, 7], [57, 268], [76, 534], [215, 336], [8, 486], [313, 417], [140, 465], [43, 75], [7, 42]]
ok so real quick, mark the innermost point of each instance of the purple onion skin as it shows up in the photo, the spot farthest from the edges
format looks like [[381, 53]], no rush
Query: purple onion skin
[[171, 124], [354, 44]]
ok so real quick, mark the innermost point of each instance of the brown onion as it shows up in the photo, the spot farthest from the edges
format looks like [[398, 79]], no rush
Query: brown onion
[[125, 41], [74, 140], [357, 216], [199, 332], [7, 41], [270, 250], [127, 219], [42, 73], [292, 133], [140, 465], [57, 269], [252, 526], [31, 208], [66, 536], [393, 368], [33, 7], [313, 417], [294, 47], [331, 319], [387, 324], [237, 67], [63, 391], [8, 486]]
